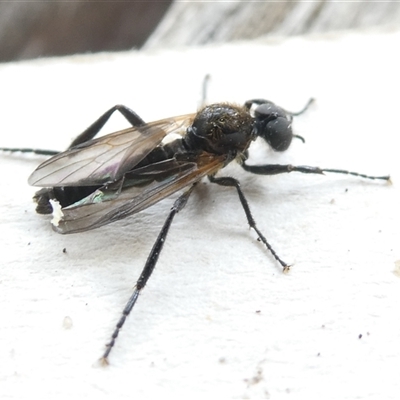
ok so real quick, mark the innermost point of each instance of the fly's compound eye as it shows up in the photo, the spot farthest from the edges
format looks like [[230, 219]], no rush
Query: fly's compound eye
[[274, 125]]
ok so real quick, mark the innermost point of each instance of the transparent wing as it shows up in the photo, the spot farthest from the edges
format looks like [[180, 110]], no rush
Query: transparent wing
[[107, 158], [101, 208]]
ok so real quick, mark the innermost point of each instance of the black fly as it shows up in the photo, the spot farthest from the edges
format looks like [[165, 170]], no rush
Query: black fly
[[99, 181]]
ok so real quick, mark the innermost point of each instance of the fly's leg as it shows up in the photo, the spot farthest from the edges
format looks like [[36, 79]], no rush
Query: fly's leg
[[258, 102], [94, 129], [273, 108], [232, 182], [147, 270], [275, 169], [303, 110], [29, 150], [88, 133], [204, 90]]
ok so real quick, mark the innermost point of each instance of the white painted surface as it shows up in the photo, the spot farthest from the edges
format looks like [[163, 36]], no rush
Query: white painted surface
[[196, 331]]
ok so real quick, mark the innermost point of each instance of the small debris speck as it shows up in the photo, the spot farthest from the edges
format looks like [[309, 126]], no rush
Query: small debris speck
[[67, 323], [396, 270]]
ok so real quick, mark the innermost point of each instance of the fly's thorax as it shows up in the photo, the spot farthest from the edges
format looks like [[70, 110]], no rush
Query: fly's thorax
[[221, 129]]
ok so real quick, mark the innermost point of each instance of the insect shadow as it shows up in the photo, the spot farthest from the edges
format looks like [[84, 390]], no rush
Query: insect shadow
[[97, 181]]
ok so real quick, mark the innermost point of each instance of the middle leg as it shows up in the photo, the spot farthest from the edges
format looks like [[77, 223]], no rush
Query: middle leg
[[232, 182]]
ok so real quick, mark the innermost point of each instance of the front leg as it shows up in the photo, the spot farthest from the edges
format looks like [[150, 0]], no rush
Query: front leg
[[275, 169]]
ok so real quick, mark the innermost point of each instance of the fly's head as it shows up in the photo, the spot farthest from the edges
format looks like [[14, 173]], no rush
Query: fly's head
[[272, 123], [222, 129]]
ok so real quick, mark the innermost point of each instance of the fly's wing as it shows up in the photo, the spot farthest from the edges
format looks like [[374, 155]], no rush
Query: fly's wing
[[101, 209], [107, 158]]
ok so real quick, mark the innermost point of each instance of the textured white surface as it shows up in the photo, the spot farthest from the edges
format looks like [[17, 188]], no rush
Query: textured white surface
[[218, 318]]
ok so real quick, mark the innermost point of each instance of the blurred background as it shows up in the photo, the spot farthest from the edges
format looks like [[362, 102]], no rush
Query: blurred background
[[43, 29]]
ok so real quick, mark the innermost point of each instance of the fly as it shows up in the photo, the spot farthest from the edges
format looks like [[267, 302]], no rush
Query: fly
[[97, 181]]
